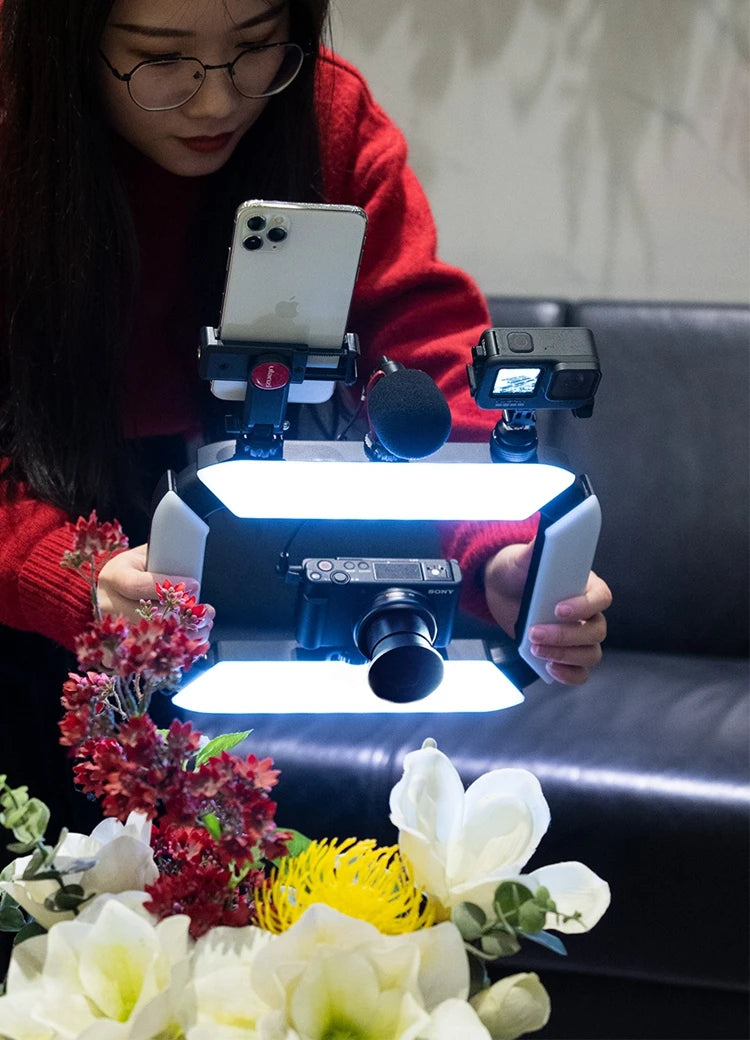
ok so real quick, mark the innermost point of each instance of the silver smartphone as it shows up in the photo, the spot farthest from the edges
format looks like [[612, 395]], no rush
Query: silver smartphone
[[290, 277]]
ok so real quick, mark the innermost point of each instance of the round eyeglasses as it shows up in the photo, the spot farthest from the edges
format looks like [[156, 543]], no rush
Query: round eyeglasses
[[159, 84]]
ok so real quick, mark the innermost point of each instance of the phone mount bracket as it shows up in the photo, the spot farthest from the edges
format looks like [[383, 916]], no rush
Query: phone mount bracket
[[268, 370]]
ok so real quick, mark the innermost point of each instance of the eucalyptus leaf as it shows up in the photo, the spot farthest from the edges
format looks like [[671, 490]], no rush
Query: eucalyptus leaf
[[69, 898], [469, 919], [551, 942], [6, 899], [39, 859], [478, 977], [224, 742], [30, 827], [21, 848], [531, 917], [11, 919], [500, 944], [475, 951], [29, 931], [509, 895], [12, 799]]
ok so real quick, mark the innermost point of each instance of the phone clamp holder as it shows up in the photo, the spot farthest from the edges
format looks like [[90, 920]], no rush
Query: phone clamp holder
[[260, 374]]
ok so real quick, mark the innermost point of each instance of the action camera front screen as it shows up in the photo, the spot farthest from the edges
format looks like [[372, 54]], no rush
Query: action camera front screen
[[516, 381]]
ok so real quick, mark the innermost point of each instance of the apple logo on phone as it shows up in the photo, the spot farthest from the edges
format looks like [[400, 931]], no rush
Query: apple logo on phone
[[287, 310]]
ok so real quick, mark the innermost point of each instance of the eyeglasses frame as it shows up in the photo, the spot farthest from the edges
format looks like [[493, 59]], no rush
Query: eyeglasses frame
[[126, 77]]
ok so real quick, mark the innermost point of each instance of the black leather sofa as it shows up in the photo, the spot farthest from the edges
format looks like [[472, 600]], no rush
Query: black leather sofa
[[646, 766]]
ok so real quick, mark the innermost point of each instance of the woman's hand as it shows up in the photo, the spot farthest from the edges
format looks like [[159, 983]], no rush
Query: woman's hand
[[572, 646], [124, 582]]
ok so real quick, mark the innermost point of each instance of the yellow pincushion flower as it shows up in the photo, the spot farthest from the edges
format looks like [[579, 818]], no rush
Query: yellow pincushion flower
[[354, 877]]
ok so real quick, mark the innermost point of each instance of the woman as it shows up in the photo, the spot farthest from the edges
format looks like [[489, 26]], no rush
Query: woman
[[120, 177]]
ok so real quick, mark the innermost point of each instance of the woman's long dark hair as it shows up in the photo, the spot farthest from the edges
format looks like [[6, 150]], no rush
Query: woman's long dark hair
[[68, 253]]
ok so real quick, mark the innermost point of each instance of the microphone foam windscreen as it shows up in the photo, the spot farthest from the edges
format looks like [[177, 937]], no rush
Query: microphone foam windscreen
[[409, 414]]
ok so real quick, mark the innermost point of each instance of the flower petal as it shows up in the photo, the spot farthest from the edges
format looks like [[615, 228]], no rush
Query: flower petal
[[443, 964], [341, 988], [124, 864], [429, 797], [573, 887], [285, 957], [427, 864], [510, 804], [452, 1019], [516, 1004]]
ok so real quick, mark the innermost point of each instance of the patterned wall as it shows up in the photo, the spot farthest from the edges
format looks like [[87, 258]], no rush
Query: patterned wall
[[573, 147]]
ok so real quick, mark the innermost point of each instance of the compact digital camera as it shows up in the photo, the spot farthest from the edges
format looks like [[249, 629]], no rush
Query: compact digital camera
[[528, 369], [395, 612]]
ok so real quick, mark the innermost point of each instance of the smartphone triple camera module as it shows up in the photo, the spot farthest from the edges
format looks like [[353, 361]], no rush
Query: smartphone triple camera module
[[264, 229]]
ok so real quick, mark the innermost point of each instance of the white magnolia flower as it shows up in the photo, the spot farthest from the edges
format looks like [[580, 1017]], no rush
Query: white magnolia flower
[[124, 861], [462, 844], [453, 1019], [329, 970], [516, 1004], [111, 974], [226, 1005]]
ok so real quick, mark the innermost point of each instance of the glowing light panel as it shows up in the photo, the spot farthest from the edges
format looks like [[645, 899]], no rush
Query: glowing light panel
[[323, 687], [342, 490]]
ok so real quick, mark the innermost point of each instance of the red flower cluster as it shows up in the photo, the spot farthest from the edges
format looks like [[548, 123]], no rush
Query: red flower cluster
[[157, 649], [214, 816], [87, 700], [194, 879], [141, 770], [92, 539]]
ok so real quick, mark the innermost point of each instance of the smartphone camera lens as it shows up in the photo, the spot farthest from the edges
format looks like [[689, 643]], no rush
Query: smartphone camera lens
[[256, 223], [253, 242], [277, 234]]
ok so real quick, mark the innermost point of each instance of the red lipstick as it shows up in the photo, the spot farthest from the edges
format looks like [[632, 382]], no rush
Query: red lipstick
[[207, 144]]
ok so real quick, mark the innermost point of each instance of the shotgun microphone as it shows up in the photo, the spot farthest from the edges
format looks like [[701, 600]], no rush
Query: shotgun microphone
[[408, 416]]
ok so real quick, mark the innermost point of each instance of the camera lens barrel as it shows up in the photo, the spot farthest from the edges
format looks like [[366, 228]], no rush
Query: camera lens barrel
[[397, 637]]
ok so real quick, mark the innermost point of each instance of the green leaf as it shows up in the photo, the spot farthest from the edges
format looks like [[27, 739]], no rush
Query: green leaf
[[297, 844], [509, 896], [34, 823], [479, 954], [39, 859], [478, 977], [11, 919], [11, 800], [21, 848], [69, 897], [551, 942], [469, 919], [543, 900], [29, 931], [499, 944], [531, 917], [212, 825], [224, 742]]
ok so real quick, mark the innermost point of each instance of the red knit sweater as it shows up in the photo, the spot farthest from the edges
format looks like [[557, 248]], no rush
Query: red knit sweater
[[407, 304]]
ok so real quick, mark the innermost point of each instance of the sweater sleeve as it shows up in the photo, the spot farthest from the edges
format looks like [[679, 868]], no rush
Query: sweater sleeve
[[36, 593], [408, 304]]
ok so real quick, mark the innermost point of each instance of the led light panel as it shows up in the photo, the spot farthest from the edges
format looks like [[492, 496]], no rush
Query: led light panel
[[344, 490], [323, 687]]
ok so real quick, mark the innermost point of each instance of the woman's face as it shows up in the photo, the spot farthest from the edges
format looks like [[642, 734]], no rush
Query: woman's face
[[200, 136]]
